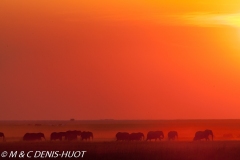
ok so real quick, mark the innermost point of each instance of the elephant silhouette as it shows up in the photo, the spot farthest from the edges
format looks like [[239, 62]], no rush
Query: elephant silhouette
[[122, 136], [2, 135], [41, 135], [57, 135], [172, 135], [203, 135], [72, 135], [86, 135], [136, 136], [33, 136], [155, 135]]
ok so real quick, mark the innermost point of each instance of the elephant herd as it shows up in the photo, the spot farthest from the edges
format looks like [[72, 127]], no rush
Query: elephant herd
[[125, 136], [120, 136], [33, 136], [71, 135], [68, 135], [155, 135]]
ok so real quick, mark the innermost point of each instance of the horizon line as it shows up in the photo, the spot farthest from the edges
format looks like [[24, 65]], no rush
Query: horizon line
[[121, 119]]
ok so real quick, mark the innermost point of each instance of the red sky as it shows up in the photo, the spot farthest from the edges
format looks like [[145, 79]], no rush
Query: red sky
[[121, 60]]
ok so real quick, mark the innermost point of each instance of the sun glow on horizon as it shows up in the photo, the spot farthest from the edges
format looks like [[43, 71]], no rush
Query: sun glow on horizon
[[212, 19]]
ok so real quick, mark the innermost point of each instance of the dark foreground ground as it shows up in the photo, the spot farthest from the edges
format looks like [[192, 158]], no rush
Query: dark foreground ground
[[181, 150]]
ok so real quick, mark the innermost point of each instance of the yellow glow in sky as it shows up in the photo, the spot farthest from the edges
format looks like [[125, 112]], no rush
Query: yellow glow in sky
[[209, 19]]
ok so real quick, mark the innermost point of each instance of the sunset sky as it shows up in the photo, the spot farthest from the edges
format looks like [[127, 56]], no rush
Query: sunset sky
[[123, 59]]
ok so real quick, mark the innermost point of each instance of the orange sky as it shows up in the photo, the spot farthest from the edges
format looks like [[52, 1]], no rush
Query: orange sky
[[128, 59]]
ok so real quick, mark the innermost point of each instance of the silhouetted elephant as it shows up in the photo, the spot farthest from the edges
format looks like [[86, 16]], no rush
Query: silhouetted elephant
[[122, 136], [86, 135], [72, 135], [40, 135], [57, 135], [136, 136], [2, 135], [203, 135], [155, 135], [172, 135], [33, 136]]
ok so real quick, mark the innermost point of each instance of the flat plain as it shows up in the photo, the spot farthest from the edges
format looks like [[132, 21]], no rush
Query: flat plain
[[105, 146]]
